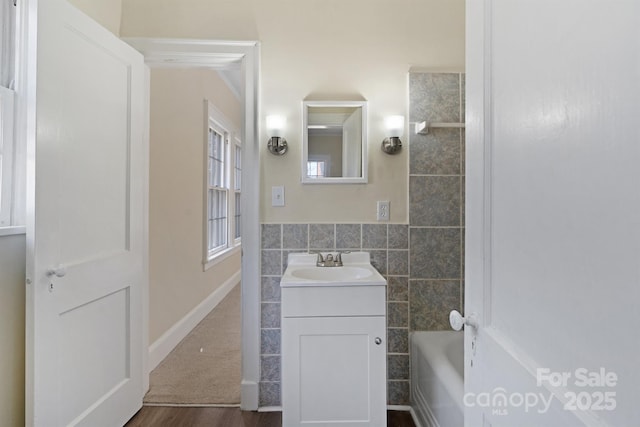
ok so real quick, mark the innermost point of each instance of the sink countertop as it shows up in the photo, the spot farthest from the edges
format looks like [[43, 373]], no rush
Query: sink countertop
[[356, 271]]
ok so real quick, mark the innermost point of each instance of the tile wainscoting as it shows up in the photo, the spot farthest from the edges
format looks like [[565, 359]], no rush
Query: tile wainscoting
[[389, 248]]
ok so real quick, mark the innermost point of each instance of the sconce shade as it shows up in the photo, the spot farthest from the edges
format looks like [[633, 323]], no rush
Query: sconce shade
[[394, 125], [275, 125]]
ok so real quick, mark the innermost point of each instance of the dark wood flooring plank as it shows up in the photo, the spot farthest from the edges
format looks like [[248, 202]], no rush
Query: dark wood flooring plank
[[164, 416], [261, 419], [399, 419]]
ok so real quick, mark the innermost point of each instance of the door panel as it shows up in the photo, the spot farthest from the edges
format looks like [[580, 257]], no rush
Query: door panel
[[335, 371], [104, 355], [337, 360], [85, 344], [93, 229]]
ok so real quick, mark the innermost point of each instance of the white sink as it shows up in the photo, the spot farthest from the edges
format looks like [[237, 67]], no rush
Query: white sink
[[356, 271], [338, 274]]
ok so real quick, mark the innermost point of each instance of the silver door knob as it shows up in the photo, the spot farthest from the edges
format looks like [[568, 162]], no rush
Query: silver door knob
[[457, 321], [378, 340], [60, 271]]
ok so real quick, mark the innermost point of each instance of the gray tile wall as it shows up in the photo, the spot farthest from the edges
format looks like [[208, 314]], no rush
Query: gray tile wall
[[436, 195], [423, 262], [388, 245]]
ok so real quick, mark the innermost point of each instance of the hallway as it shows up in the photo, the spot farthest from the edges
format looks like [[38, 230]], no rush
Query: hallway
[[204, 369]]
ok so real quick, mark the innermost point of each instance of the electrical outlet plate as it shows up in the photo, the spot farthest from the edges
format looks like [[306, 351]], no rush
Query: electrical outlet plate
[[382, 211]]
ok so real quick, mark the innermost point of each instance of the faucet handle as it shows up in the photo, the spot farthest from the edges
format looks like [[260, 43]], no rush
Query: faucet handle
[[339, 256], [320, 258]]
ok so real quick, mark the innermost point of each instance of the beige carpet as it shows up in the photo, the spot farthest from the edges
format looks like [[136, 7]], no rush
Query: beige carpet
[[204, 369]]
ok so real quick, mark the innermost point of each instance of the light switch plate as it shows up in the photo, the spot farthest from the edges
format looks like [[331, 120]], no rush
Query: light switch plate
[[277, 195]]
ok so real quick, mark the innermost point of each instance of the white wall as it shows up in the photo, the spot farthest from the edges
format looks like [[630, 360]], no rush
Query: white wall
[[105, 12], [177, 282], [324, 49], [12, 306]]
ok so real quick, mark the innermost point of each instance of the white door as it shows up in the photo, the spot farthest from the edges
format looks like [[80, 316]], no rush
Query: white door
[[86, 227], [352, 145], [553, 231]]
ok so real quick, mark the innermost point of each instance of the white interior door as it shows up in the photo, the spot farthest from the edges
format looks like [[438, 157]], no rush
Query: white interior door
[[553, 235], [86, 227]]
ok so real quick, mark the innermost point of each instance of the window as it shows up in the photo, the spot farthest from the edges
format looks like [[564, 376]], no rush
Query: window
[[7, 71], [315, 169], [6, 156], [218, 190], [223, 187], [318, 166], [237, 178]]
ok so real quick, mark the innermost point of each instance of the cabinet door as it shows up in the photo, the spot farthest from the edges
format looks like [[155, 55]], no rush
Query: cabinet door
[[334, 372]]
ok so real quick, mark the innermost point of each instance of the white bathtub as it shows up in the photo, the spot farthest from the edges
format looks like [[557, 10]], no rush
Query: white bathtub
[[437, 378]]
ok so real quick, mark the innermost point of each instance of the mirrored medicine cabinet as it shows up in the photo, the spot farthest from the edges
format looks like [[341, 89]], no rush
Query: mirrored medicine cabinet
[[334, 142]]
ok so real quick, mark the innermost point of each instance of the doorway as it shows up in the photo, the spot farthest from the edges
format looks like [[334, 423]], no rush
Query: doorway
[[217, 55]]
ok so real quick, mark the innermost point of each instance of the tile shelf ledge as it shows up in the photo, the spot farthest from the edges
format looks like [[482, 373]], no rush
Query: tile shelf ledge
[[422, 128]]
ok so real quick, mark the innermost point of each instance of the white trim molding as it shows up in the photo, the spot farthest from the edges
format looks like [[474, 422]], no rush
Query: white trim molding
[[13, 230], [224, 55], [171, 338], [270, 409]]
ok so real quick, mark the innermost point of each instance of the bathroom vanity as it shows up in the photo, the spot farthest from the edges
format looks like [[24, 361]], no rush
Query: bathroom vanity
[[333, 343]]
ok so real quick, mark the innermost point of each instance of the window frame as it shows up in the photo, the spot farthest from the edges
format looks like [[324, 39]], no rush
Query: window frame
[[215, 191], [214, 119]]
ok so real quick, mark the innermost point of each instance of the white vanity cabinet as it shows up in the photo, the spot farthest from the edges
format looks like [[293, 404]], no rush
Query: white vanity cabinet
[[334, 355]]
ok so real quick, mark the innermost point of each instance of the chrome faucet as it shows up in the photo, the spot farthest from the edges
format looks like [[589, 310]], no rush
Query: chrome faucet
[[329, 260]]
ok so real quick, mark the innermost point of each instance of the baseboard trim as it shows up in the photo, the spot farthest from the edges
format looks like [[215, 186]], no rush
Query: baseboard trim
[[170, 339], [270, 409], [401, 408], [194, 405], [416, 421]]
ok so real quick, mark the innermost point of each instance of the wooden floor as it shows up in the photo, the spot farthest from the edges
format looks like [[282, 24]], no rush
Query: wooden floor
[[161, 416]]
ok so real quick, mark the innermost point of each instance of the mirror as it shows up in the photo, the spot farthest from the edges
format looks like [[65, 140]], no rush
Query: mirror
[[334, 142]]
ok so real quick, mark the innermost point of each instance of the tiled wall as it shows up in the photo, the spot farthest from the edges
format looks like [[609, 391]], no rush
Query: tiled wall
[[422, 262], [436, 197], [388, 245]]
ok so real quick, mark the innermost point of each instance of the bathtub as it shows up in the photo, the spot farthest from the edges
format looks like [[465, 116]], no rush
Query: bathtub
[[437, 378]]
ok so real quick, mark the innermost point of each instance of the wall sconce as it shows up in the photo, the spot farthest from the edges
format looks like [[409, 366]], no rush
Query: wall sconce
[[277, 145], [395, 129]]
